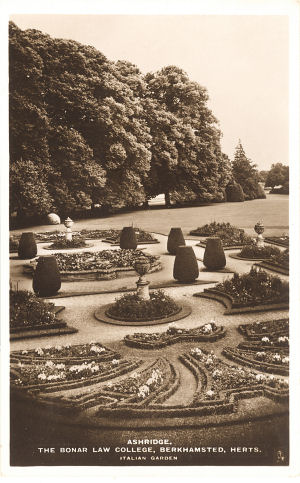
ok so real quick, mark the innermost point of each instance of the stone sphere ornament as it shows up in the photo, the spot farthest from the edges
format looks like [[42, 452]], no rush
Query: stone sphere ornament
[[53, 219]]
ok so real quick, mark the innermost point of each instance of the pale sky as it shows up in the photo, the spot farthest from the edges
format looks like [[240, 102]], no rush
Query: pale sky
[[241, 60]]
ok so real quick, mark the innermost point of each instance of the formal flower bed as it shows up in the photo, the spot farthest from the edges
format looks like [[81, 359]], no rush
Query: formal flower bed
[[255, 252], [26, 310], [223, 378], [130, 307], [111, 234], [230, 235], [255, 287], [274, 361], [91, 351], [141, 384], [76, 242], [270, 329], [13, 244], [267, 343], [48, 371], [281, 259], [103, 260], [206, 333], [279, 240]]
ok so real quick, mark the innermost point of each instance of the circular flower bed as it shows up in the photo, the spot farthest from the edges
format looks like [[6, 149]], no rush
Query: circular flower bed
[[255, 252], [255, 287], [76, 242], [130, 307], [104, 259]]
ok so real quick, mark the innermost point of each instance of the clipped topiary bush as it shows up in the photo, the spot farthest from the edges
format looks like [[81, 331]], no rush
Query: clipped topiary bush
[[27, 246], [46, 278], [234, 192], [128, 238], [175, 239], [186, 268], [214, 256]]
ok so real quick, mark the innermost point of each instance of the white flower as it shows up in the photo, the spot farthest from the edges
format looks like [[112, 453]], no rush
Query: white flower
[[276, 357], [60, 366], [58, 347], [286, 360], [260, 377], [24, 352], [42, 376], [210, 393], [49, 364], [265, 339], [143, 391], [115, 362], [39, 351]]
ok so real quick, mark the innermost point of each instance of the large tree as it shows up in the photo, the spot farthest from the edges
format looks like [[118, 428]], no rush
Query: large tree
[[278, 175], [186, 153]]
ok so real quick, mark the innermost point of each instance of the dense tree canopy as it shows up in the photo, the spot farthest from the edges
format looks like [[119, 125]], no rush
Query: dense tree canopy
[[85, 130], [278, 176], [246, 174]]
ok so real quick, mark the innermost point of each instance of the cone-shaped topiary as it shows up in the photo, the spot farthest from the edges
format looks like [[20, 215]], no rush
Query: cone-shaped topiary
[[234, 192], [46, 278], [175, 239], [128, 238], [27, 246], [185, 265], [214, 256]]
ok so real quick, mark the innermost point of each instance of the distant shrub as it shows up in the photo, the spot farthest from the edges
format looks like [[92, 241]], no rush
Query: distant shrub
[[234, 192]]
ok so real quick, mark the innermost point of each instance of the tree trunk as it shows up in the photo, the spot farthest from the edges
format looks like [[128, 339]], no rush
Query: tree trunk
[[167, 199]]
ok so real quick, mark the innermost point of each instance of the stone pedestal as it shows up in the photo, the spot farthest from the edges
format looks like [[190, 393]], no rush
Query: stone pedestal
[[69, 234], [260, 241], [142, 289]]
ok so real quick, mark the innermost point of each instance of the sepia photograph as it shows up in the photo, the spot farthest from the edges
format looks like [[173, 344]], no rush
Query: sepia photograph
[[148, 199]]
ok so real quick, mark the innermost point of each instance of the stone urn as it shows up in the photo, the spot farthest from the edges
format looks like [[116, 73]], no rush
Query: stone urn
[[259, 229], [68, 224], [142, 266]]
